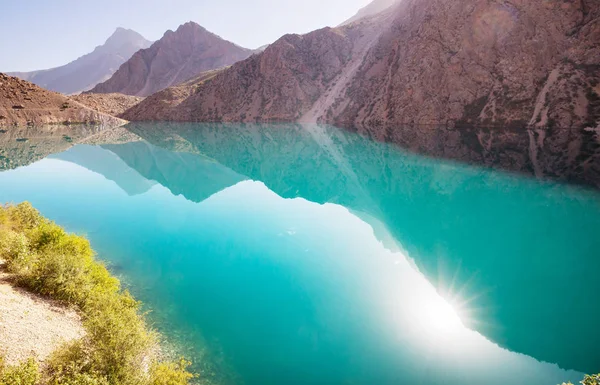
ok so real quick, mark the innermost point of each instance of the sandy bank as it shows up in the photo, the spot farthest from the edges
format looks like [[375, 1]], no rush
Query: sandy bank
[[31, 326]]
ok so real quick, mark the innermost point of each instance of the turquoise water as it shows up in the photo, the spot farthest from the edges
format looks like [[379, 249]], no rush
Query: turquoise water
[[285, 254]]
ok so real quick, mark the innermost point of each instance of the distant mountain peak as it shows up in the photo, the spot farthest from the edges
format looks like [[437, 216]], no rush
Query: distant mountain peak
[[95, 67], [123, 36], [178, 56]]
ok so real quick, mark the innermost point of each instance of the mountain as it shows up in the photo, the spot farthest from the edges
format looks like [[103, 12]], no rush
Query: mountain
[[375, 7], [459, 79], [175, 58], [91, 69], [24, 104]]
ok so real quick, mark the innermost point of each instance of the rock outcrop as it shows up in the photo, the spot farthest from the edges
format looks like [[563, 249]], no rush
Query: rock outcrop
[[449, 78], [87, 71], [24, 104], [175, 58]]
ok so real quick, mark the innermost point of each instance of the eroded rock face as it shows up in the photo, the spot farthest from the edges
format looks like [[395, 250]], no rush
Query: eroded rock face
[[175, 58], [24, 104], [475, 61], [87, 71]]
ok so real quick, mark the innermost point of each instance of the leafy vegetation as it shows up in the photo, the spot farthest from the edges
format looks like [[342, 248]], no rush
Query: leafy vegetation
[[27, 373], [119, 348]]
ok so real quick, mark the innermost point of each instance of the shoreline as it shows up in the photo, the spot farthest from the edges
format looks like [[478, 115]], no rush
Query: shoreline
[[31, 325]]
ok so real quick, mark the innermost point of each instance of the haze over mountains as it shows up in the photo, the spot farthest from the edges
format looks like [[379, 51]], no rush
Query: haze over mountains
[[85, 72], [176, 57], [373, 8]]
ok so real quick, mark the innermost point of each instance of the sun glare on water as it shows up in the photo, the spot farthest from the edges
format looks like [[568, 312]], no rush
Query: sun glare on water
[[438, 316]]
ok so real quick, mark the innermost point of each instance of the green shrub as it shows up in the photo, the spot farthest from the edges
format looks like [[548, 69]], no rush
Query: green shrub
[[27, 373], [170, 373], [70, 365], [118, 346]]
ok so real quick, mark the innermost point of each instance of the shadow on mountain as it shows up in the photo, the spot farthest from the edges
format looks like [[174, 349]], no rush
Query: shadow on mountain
[[521, 254]]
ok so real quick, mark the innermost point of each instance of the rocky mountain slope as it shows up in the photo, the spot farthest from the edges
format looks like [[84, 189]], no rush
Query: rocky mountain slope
[[279, 84], [111, 104], [163, 104], [87, 71], [175, 58], [458, 79], [24, 104]]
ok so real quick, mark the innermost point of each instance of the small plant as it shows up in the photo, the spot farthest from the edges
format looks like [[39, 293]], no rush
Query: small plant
[[170, 373], [27, 373]]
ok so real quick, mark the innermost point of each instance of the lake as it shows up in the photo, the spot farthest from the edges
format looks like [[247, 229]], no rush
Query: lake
[[289, 254]]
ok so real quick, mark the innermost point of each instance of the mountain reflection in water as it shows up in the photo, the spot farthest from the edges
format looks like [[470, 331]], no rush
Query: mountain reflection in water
[[391, 267]]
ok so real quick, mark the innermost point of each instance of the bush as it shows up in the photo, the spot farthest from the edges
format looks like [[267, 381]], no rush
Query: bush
[[170, 373], [118, 346], [70, 365], [27, 373]]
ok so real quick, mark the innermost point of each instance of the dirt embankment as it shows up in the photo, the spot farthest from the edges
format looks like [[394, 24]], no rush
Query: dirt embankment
[[24, 104], [110, 104]]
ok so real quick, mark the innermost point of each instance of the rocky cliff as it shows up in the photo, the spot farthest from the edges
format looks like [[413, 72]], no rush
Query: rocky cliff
[[175, 58], [87, 71], [24, 104], [448, 78]]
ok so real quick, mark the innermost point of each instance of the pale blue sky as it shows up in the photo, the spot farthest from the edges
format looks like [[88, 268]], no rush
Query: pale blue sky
[[39, 34]]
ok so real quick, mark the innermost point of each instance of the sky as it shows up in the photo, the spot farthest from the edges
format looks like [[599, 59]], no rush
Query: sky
[[40, 34]]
